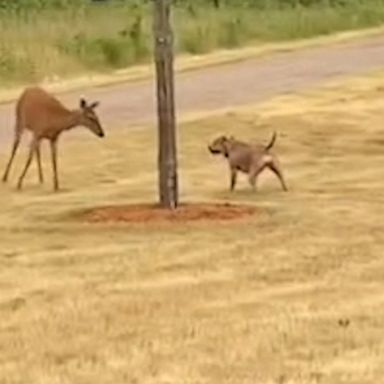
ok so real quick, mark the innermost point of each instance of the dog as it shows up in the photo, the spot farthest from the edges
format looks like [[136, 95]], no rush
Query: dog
[[250, 159]]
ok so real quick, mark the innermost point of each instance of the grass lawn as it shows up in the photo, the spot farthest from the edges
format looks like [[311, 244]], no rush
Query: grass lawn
[[292, 295]]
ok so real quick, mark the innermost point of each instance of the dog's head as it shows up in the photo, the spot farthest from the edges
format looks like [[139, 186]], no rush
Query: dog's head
[[220, 146]]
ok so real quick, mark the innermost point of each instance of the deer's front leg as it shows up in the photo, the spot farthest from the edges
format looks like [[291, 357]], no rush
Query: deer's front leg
[[39, 167]]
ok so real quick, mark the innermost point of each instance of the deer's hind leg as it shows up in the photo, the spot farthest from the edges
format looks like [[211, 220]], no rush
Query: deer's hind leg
[[32, 150], [15, 146]]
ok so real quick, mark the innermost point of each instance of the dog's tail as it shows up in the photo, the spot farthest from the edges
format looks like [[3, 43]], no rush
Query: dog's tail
[[272, 142]]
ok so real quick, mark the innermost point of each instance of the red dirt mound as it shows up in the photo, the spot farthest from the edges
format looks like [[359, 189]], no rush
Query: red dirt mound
[[147, 213]]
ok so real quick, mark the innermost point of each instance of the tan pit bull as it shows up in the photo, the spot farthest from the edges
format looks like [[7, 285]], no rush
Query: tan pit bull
[[251, 159]]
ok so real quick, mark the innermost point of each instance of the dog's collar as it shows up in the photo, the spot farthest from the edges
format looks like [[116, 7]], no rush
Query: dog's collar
[[226, 151]]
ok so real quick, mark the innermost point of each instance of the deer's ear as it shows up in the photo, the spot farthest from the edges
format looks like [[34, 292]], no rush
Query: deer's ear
[[94, 105], [83, 103]]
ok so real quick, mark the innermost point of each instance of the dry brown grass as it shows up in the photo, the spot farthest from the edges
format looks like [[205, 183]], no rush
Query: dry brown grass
[[260, 301]]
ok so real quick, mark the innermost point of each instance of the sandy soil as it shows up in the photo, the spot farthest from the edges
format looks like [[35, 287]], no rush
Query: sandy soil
[[149, 213]]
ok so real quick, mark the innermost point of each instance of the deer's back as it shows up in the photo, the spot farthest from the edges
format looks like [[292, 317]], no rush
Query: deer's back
[[39, 111]]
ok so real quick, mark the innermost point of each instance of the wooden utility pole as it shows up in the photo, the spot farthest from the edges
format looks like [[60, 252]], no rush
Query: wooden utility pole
[[167, 161]]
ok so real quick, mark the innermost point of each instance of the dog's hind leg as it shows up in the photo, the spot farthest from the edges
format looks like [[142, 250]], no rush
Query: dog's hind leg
[[274, 166], [255, 172]]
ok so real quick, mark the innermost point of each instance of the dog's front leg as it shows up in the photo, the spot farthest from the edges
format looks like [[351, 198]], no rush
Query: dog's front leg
[[233, 179]]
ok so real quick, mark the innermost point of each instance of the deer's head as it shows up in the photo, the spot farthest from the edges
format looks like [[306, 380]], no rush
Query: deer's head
[[89, 117]]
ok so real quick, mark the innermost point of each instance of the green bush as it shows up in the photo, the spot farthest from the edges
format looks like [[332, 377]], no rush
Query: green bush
[[41, 38]]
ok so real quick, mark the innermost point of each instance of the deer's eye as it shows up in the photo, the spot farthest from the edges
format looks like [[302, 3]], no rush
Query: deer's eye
[[92, 117]]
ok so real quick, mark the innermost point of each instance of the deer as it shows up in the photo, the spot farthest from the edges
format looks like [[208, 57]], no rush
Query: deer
[[47, 118]]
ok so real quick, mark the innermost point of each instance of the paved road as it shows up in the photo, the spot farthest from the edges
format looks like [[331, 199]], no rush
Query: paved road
[[233, 84]]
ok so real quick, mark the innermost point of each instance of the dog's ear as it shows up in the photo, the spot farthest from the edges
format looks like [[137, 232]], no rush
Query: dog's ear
[[83, 103]]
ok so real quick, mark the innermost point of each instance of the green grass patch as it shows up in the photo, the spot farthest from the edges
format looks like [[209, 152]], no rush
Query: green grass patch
[[62, 38]]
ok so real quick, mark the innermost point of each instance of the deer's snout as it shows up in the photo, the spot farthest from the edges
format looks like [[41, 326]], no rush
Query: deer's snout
[[98, 130]]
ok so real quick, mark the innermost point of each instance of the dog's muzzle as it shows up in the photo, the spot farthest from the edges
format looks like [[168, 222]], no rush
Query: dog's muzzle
[[213, 151]]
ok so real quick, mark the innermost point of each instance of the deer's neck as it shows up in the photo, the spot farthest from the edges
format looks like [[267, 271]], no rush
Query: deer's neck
[[72, 119]]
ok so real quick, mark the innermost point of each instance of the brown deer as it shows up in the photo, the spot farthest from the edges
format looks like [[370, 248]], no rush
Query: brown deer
[[46, 118]]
